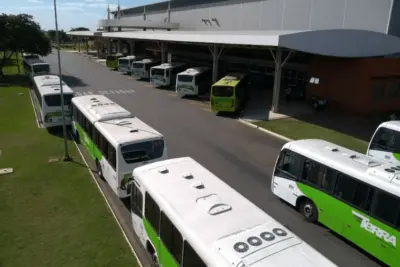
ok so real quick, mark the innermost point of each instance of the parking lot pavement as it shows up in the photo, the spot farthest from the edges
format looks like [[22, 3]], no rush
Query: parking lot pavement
[[239, 155]]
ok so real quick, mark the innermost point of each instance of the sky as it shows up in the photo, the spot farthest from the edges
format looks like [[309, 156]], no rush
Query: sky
[[71, 13]]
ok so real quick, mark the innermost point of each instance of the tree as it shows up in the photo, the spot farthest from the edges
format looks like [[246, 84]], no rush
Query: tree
[[63, 36], [20, 33]]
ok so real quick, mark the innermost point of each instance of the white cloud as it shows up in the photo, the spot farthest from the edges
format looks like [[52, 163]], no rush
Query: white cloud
[[95, 1], [36, 1], [102, 5]]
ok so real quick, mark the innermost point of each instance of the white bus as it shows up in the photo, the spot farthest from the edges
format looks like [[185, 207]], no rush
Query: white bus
[[117, 141], [354, 195], [193, 81], [385, 143], [27, 56], [34, 66], [141, 69], [186, 216], [125, 63], [47, 91], [165, 74]]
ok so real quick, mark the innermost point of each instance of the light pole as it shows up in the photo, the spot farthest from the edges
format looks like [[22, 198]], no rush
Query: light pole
[[66, 154]]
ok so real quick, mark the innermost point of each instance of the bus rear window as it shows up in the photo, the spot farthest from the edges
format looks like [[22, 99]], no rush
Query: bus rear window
[[157, 72], [222, 91], [55, 100], [137, 65], [123, 61], [185, 78], [41, 68], [143, 151]]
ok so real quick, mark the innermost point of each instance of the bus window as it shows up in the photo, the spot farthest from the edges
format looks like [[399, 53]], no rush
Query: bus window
[[190, 257], [185, 78], [136, 200], [55, 100], [152, 212], [142, 151], [171, 238], [288, 165], [112, 156], [386, 140], [222, 91], [318, 175], [384, 206]]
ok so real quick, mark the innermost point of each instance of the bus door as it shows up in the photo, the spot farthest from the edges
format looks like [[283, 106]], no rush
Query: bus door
[[385, 145]]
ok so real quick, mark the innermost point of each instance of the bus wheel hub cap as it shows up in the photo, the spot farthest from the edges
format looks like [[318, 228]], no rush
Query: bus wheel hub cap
[[308, 210]]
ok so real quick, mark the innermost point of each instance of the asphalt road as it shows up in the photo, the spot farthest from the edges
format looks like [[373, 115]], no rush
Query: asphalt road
[[241, 156]]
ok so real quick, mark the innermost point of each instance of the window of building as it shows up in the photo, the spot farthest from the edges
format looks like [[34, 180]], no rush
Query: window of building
[[171, 238], [378, 89], [190, 257], [152, 212], [385, 206]]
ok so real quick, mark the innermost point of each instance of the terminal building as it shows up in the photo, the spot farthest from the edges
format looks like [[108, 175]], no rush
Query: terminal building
[[344, 51]]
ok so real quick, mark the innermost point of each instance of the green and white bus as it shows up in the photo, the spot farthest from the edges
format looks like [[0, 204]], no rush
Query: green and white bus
[[354, 195], [48, 95], [117, 141], [385, 143], [165, 74], [141, 69], [193, 81], [186, 216], [229, 94], [112, 60]]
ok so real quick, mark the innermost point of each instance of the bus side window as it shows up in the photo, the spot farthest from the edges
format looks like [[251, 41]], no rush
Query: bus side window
[[384, 206], [318, 175], [398, 220], [356, 193], [136, 200], [288, 165], [112, 156], [152, 213], [190, 257], [171, 238], [103, 145]]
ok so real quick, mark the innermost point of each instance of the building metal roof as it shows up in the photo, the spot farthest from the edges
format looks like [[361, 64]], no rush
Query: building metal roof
[[335, 42]]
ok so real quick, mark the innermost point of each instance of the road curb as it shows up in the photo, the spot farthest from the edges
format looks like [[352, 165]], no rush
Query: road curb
[[264, 130]]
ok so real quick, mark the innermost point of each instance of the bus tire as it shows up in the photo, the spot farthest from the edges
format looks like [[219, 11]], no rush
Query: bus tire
[[99, 170], [152, 254], [309, 210]]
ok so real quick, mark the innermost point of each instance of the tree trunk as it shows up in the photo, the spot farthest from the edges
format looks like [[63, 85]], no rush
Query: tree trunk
[[16, 56]]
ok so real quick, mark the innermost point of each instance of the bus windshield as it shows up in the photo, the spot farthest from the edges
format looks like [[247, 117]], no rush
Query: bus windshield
[[185, 78], [123, 61], [55, 100], [222, 91], [157, 72], [142, 151], [41, 68], [137, 65]]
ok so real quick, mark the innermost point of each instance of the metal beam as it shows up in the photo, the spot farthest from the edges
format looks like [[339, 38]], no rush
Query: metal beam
[[279, 63], [216, 53]]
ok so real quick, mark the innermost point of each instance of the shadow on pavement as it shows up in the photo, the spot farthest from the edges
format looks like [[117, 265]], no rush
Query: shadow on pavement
[[73, 81]]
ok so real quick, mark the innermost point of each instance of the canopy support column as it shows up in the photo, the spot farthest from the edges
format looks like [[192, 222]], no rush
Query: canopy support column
[[79, 44], [118, 45], [87, 45], [216, 53], [109, 47], [163, 47], [131, 47], [278, 76]]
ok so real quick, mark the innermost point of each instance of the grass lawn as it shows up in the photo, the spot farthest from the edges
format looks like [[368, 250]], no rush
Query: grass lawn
[[296, 129], [51, 214]]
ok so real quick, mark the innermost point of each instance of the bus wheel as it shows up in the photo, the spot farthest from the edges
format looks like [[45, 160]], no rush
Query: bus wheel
[[99, 170], [309, 210]]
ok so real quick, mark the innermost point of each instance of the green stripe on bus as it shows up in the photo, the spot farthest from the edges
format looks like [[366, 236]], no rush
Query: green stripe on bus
[[366, 232], [396, 156], [87, 142], [165, 259]]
